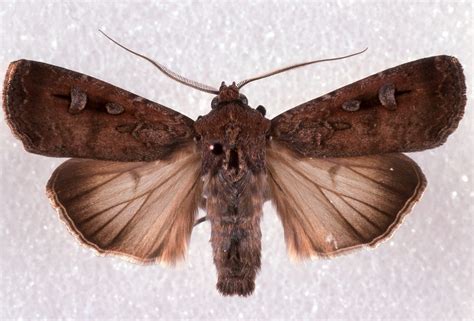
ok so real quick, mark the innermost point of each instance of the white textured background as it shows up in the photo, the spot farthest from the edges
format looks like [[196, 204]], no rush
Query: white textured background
[[424, 272]]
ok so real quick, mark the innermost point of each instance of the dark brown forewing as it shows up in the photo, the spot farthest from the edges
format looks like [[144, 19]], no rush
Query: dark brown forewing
[[142, 210], [331, 205], [58, 112], [411, 107]]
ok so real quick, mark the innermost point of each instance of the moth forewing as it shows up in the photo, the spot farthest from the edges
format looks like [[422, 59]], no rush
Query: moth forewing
[[411, 107], [62, 113]]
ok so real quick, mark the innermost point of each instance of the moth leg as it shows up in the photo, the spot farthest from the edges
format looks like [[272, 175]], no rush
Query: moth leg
[[200, 220], [203, 203]]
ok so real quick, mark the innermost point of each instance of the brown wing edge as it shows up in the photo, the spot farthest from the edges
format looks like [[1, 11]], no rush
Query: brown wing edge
[[12, 83], [458, 80], [410, 203], [406, 209], [63, 216]]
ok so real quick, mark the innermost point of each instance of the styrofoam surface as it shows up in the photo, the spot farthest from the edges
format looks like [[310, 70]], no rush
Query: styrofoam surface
[[423, 272]]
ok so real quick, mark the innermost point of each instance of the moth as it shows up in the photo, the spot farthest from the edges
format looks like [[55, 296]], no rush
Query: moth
[[332, 166]]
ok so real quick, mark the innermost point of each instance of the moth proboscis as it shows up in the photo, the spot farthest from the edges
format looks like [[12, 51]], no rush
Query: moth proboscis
[[139, 171]]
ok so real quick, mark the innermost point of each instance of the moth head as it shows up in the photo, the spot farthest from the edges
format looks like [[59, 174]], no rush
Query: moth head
[[228, 94]]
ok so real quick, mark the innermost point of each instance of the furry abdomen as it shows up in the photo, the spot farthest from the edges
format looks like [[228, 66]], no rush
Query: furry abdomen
[[234, 210]]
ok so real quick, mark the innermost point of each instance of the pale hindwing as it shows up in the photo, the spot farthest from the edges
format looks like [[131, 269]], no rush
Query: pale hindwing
[[332, 205], [143, 210]]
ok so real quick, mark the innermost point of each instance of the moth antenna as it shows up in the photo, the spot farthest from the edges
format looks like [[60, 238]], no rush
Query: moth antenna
[[274, 72], [167, 72]]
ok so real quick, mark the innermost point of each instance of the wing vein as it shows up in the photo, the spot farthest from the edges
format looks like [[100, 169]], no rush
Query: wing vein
[[368, 204], [126, 201], [100, 185], [374, 181], [188, 194], [361, 214], [303, 217], [130, 220], [356, 205], [347, 223], [110, 220]]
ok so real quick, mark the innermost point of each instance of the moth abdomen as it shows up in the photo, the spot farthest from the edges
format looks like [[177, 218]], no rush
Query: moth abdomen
[[237, 248], [234, 210]]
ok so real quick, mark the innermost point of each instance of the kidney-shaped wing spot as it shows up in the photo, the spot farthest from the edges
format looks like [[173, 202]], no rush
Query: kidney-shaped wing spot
[[143, 210], [331, 205]]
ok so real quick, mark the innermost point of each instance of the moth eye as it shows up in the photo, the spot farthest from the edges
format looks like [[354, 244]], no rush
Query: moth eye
[[216, 149], [261, 110], [197, 138], [243, 99], [214, 102]]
